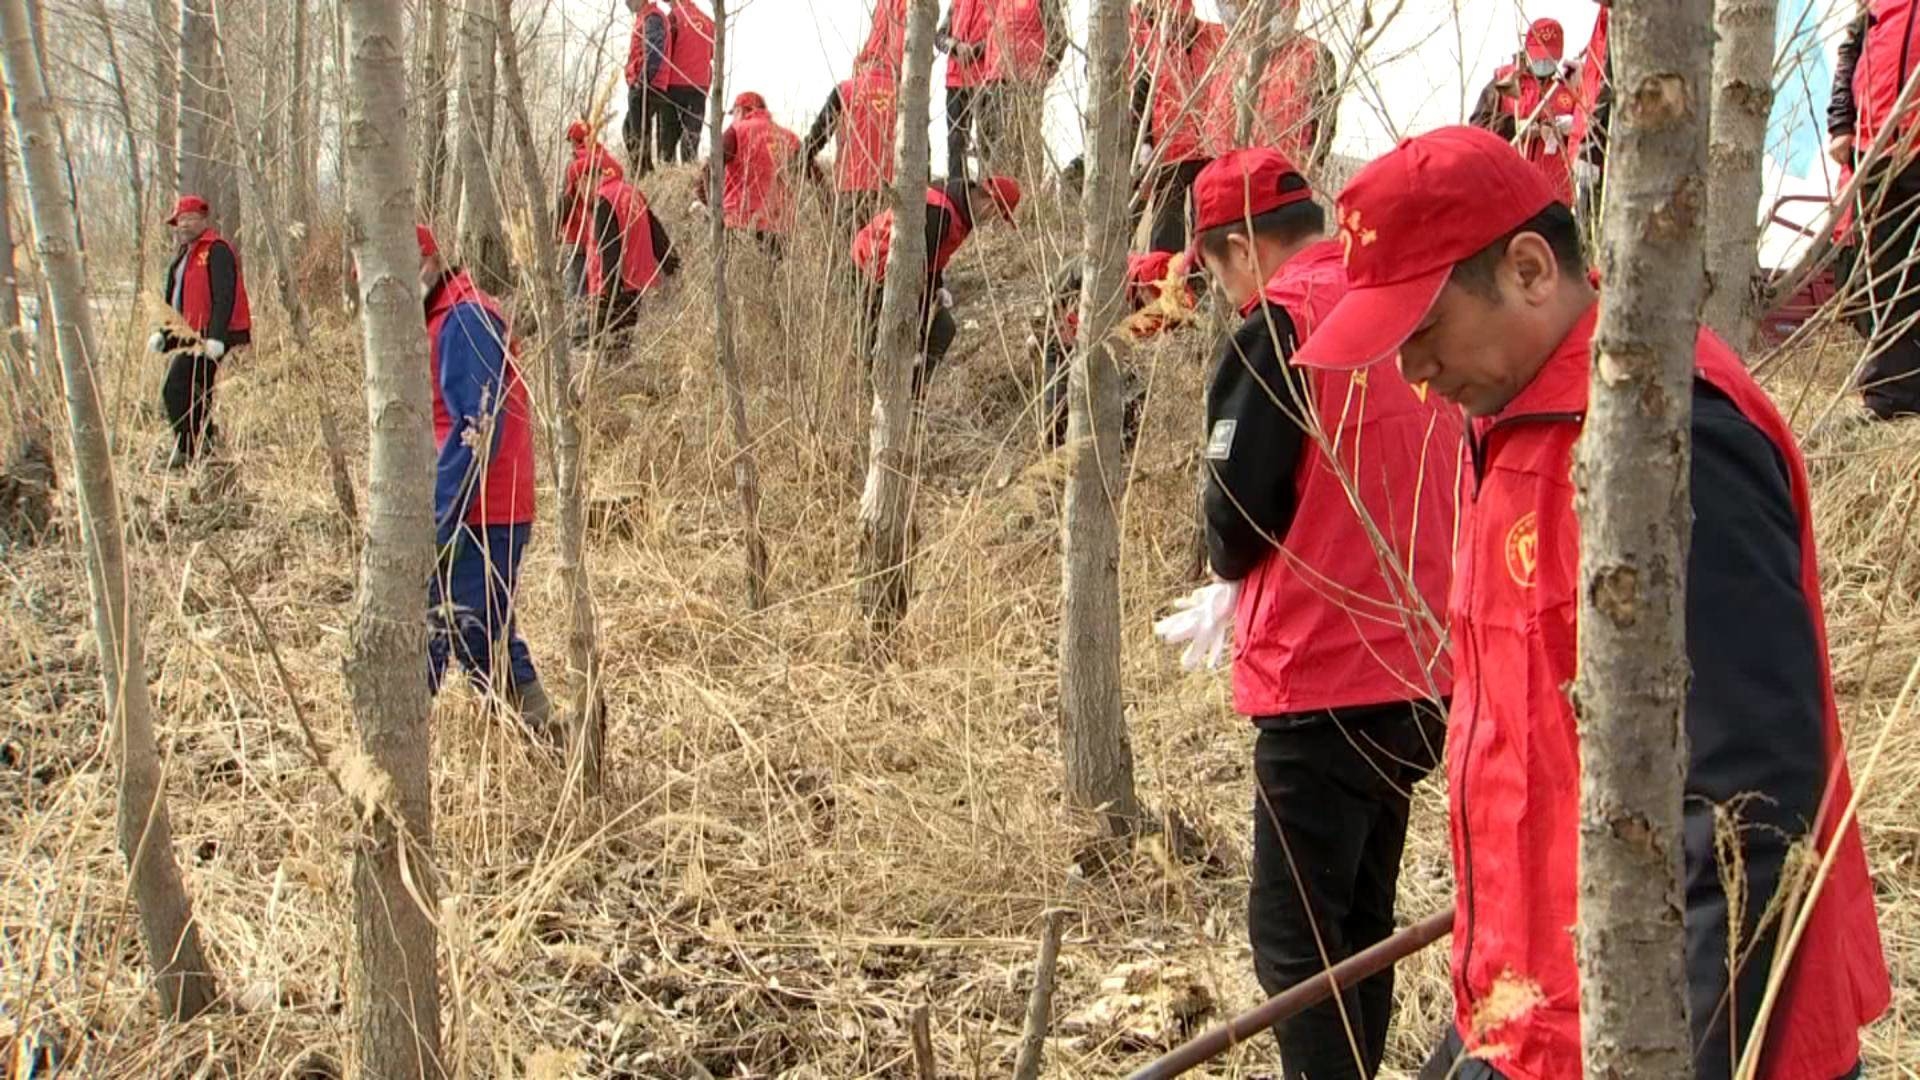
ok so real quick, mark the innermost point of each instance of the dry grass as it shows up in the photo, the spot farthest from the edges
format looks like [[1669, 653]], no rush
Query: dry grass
[[793, 850]]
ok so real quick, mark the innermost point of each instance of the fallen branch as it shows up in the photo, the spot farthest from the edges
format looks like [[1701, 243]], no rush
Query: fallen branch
[[921, 1027], [1033, 1040]]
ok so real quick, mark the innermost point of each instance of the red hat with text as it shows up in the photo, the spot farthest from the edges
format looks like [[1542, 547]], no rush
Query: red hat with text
[[188, 204], [1546, 40], [1005, 193], [1405, 221], [1239, 186], [429, 247]]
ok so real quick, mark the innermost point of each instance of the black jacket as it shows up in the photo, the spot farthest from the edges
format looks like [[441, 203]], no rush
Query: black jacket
[[612, 249], [1255, 439]]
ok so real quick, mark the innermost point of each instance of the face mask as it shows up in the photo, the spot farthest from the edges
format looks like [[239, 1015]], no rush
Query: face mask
[[1541, 68]]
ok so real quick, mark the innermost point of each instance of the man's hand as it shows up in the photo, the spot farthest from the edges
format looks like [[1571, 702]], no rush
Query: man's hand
[[1203, 621], [158, 342], [214, 348], [1840, 148], [1143, 156], [945, 298]]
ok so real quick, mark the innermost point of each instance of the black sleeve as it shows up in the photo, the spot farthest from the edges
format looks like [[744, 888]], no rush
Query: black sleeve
[[938, 222], [1756, 715], [1488, 114], [1142, 99], [222, 274], [822, 128], [943, 34], [663, 246], [1595, 150], [606, 231], [1255, 439], [1840, 110]]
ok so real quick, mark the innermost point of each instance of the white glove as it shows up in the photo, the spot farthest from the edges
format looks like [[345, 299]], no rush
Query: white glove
[[1203, 619], [214, 348], [1585, 172], [1143, 156], [157, 342], [945, 298], [698, 209]]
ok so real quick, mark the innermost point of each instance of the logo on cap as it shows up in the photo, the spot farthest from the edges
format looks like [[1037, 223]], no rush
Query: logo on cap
[[1350, 231]]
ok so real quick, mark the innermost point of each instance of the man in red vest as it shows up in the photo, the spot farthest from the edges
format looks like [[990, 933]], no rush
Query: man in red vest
[[688, 75], [1025, 42], [951, 217], [482, 491], [205, 285], [1176, 66], [1878, 58], [859, 116], [1297, 98], [886, 42], [590, 167], [1330, 520], [1461, 257], [1532, 104], [630, 256], [648, 107], [759, 157], [963, 37]]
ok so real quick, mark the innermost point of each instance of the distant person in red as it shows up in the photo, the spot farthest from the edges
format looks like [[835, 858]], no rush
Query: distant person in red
[[647, 73], [886, 42], [205, 285], [859, 117], [1595, 87], [963, 37], [591, 166], [1330, 524], [1297, 103], [482, 491], [952, 213], [1026, 40], [630, 256], [1174, 71], [760, 159], [1532, 104], [1161, 293], [688, 76]]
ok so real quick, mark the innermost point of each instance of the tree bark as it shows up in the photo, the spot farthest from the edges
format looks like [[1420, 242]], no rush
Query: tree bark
[[1632, 499], [29, 413], [181, 973], [1099, 754], [302, 150], [124, 105], [433, 135], [208, 145], [349, 289], [397, 994], [1246, 91], [1742, 101], [165, 171], [483, 247], [746, 471], [886, 525], [587, 723]]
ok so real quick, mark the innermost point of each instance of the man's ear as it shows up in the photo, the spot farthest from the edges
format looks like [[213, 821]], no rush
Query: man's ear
[[1535, 272]]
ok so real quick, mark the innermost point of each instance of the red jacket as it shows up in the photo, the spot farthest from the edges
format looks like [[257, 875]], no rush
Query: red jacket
[[1513, 755], [637, 48], [1017, 43], [1283, 114], [689, 46], [1183, 74], [875, 239], [591, 166], [1327, 621], [639, 269], [504, 495], [969, 22], [886, 39], [1545, 112], [1593, 77], [757, 194], [195, 302], [863, 139], [1893, 36]]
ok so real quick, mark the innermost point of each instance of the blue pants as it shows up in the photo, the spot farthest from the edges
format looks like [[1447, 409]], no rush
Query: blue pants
[[471, 606]]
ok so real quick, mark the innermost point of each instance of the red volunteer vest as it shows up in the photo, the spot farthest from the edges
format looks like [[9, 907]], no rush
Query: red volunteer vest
[[689, 46], [639, 269], [1017, 43], [1887, 56], [969, 22], [505, 495], [196, 293], [1593, 77], [756, 194], [863, 140], [1181, 74], [1283, 111], [591, 166], [886, 38], [637, 49], [1513, 756], [872, 243], [1543, 103], [1326, 621]]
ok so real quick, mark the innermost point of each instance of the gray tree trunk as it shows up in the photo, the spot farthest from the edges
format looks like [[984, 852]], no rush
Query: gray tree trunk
[[433, 112], [746, 471], [181, 973], [124, 106], [13, 335], [165, 55], [1632, 498], [886, 526], [1742, 100], [261, 190], [208, 146], [349, 290], [483, 246], [1098, 752], [587, 737], [1257, 18], [397, 990], [302, 191]]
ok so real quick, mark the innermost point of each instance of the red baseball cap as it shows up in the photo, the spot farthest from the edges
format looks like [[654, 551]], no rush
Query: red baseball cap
[[428, 245], [188, 204], [1240, 185], [1406, 220], [749, 101], [578, 132], [1005, 192], [1546, 40]]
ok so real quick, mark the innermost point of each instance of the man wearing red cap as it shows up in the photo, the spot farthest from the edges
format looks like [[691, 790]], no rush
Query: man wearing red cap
[[1461, 257], [951, 216], [1329, 524], [204, 284], [688, 75], [759, 157], [629, 256], [859, 116], [483, 488], [591, 166], [1531, 104], [1176, 68]]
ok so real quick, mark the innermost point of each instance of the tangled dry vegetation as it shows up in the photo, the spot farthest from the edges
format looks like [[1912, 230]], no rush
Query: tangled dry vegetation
[[793, 851]]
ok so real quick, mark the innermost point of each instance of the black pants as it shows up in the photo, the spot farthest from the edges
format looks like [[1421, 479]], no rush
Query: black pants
[[1329, 822], [1171, 182], [963, 109], [681, 111], [937, 331], [647, 111], [1447, 1063], [1890, 381], [188, 393]]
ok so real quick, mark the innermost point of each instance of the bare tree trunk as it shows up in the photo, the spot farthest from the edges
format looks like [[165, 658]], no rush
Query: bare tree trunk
[[433, 136], [1742, 101], [1631, 483], [886, 525], [123, 103], [483, 247], [1098, 752], [166, 96], [587, 737], [12, 331], [263, 198], [349, 290], [746, 471], [208, 144], [1246, 91], [301, 191], [397, 995], [146, 833]]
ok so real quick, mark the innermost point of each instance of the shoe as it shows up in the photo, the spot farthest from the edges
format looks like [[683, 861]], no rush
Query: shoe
[[530, 700]]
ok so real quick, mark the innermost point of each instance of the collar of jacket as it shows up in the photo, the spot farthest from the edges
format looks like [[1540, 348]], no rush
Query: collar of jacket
[[1560, 386]]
